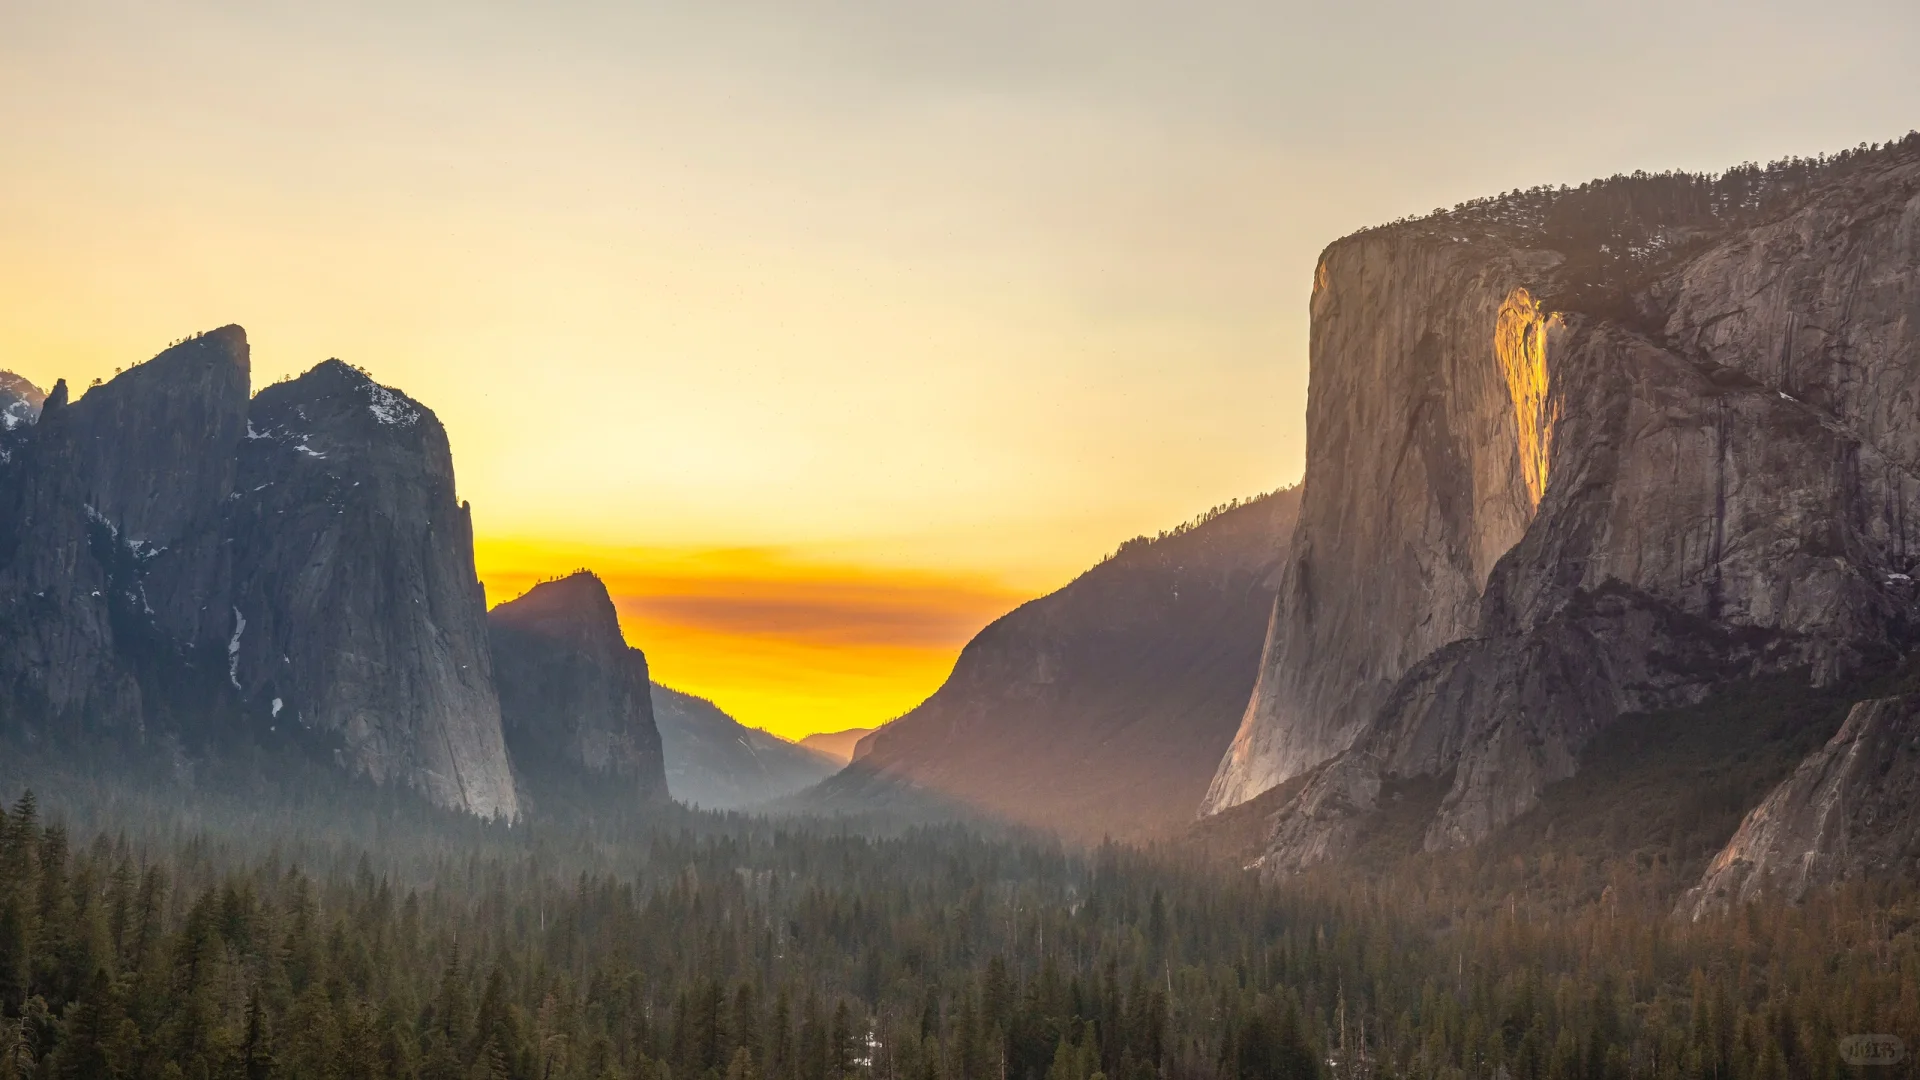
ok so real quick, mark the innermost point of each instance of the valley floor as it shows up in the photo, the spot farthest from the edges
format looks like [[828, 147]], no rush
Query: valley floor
[[226, 927]]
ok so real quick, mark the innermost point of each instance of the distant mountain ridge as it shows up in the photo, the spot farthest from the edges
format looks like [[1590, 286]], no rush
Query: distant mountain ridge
[[841, 745], [1100, 709], [716, 762]]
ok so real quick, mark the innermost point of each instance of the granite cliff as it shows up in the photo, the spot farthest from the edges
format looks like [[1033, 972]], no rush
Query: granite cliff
[[355, 612], [1579, 453], [180, 561], [575, 699]]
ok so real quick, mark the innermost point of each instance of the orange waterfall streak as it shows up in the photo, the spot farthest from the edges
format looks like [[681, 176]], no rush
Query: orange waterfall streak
[[1520, 347]]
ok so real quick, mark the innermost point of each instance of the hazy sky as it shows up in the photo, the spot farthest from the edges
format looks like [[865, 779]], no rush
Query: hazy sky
[[829, 331]]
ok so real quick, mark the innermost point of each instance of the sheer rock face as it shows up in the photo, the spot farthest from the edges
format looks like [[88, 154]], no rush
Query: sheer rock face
[[1845, 813], [1413, 489], [574, 697], [1102, 708], [112, 543], [175, 557], [355, 612], [1724, 470]]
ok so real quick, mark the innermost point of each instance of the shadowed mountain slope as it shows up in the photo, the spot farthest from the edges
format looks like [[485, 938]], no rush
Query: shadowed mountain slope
[[1103, 708], [716, 762]]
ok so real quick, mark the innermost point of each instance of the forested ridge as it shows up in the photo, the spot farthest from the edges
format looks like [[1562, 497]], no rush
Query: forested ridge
[[1618, 234], [702, 946]]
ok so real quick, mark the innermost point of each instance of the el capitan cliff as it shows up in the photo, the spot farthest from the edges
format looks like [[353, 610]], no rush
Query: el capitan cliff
[[1579, 454]]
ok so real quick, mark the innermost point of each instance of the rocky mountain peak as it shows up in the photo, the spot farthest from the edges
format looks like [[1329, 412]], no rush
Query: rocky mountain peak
[[576, 608], [356, 414], [575, 700], [354, 389], [20, 402], [111, 555], [153, 447]]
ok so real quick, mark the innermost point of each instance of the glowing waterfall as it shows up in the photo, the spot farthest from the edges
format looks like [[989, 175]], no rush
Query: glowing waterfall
[[1520, 346]]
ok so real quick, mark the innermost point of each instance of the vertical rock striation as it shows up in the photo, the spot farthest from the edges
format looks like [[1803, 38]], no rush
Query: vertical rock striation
[[1540, 495]]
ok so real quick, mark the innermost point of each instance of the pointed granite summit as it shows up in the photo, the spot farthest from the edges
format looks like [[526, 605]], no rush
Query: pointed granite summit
[[574, 696]]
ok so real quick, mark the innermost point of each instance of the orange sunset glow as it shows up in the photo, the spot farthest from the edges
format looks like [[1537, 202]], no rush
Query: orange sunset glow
[[825, 333], [791, 645]]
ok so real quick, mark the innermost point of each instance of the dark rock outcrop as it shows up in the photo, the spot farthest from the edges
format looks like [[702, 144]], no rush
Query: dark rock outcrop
[[1558, 474], [716, 762], [1101, 709], [1845, 813], [176, 559], [575, 699]]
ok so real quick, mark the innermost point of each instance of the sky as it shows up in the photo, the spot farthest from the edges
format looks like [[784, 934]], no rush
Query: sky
[[827, 332]]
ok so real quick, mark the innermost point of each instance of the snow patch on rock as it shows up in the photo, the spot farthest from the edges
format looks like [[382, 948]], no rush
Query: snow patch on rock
[[389, 407], [233, 648]]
